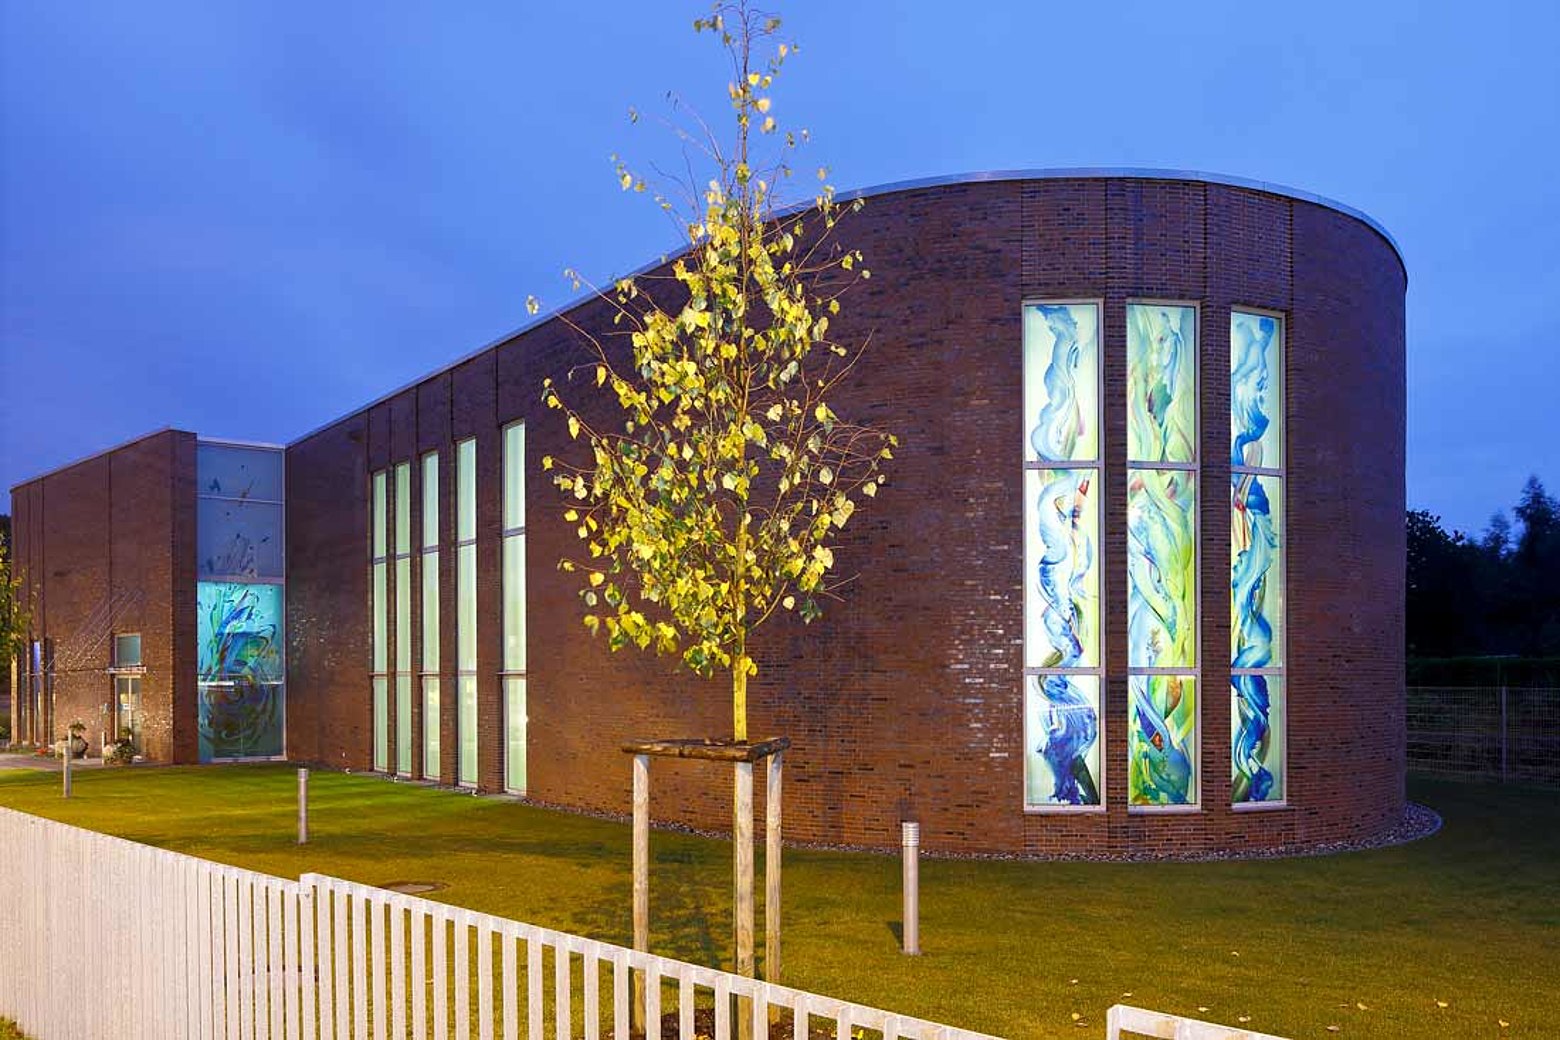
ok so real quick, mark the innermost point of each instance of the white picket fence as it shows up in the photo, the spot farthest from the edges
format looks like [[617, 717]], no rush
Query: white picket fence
[[100, 936]]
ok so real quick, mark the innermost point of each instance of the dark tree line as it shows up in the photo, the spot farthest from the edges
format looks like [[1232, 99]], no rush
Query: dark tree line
[[1497, 594]]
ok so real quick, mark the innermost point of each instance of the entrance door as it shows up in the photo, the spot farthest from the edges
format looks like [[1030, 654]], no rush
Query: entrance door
[[127, 709]]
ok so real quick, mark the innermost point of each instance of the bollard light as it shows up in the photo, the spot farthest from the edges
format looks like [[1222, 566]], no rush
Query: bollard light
[[303, 806], [910, 845]]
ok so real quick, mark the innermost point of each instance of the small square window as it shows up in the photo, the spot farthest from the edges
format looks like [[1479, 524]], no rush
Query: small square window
[[127, 650]]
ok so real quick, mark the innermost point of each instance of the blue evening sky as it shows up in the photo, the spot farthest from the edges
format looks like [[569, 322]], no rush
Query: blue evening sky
[[248, 219]]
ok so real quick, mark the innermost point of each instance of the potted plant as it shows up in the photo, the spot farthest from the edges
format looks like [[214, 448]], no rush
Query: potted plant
[[122, 751], [78, 743]]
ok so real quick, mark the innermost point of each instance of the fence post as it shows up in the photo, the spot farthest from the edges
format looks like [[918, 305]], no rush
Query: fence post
[[641, 884], [742, 860], [1504, 742], [303, 806], [772, 869], [910, 843]]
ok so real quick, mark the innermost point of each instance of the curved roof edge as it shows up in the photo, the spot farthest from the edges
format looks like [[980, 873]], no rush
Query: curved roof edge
[[1146, 173], [1048, 174]]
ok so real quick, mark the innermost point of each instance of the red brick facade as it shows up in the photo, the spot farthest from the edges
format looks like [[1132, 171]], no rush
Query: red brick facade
[[905, 701], [107, 546]]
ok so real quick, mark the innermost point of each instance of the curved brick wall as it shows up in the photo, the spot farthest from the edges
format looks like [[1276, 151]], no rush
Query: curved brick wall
[[905, 701]]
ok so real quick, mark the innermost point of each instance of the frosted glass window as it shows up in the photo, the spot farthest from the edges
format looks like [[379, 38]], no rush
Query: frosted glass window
[[403, 508], [234, 471], [378, 519], [514, 476], [430, 500], [1061, 486], [466, 608], [1163, 625], [379, 580], [514, 732], [381, 723], [127, 651], [467, 726], [381, 618], [1257, 560], [430, 693], [238, 540], [430, 611]]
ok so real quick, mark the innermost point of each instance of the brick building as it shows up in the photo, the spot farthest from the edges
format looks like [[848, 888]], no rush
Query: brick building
[[1135, 585]]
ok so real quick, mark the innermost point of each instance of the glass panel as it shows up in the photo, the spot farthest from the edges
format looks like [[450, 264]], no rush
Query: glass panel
[[234, 472], [1256, 572], [430, 611], [1062, 740], [1257, 738], [466, 609], [514, 733], [240, 719], [1061, 382], [127, 650], [514, 603], [381, 620], [1162, 740], [403, 724], [467, 725], [430, 687], [1061, 576], [239, 631], [430, 500], [403, 508], [240, 668], [238, 539], [403, 614], [466, 490], [127, 692], [381, 723], [1161, 383], [1161, 569], [378, 522], [1256, 390], [514, 476]]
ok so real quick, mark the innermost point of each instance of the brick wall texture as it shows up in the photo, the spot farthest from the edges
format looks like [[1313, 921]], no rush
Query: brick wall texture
[[906, 700], [108, 546]]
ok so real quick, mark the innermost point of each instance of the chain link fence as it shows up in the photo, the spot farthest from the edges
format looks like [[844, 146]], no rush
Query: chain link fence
[[1506, 734]]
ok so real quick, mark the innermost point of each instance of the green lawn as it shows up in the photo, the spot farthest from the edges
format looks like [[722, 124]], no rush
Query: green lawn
[[1372, 943]]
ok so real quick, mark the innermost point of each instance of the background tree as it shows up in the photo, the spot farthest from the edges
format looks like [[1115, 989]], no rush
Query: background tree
[[711, 499], [1499, 595], [15, 619]]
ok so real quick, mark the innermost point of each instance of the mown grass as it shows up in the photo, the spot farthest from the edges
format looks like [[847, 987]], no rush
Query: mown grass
[[1374, 943]]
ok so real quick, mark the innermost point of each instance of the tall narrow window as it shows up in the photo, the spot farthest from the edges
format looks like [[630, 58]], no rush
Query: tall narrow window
[[514, 608], [1062, 669], [1162, 624], [403, 618], [466, 607], [430, 614], [1256, 558], [381, 662]]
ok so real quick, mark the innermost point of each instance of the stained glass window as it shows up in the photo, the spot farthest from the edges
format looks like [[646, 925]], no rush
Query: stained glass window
[[240, 673], [1257, 705], [1062, 657], [1162, 621]]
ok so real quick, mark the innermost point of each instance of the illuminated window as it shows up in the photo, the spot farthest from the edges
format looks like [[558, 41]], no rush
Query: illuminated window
[[1257, 559], [403, 618], [430, 614], [1162, 620], [381, 661], [1062, 659], [514, 608], [466, 608]]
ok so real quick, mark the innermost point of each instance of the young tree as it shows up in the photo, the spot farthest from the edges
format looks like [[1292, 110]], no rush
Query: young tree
[[710, 500], [15, 616]]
